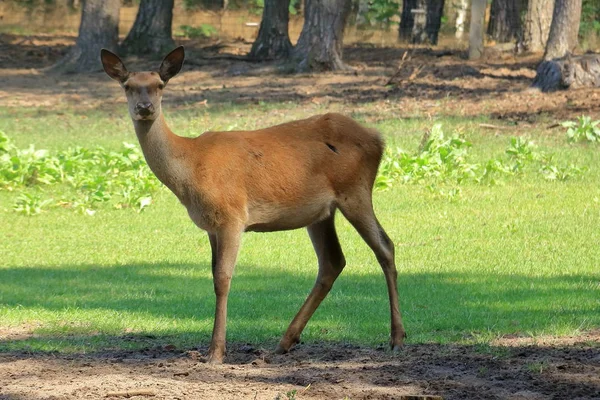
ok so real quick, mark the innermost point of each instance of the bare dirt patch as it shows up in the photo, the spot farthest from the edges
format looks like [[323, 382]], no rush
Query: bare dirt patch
[[514, 368]]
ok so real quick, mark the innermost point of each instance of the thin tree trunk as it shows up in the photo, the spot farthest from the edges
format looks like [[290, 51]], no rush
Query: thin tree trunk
[[564, 28], [361, 9], [476, 29], [421, 20], [319, 46], [273, 40], [99, 29], [435, 10], [505, 20], [537, 25], [152, 29], [407, 20], [461, 18]]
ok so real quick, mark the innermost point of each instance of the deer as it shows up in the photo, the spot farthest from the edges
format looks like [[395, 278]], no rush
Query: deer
[[289, 176]]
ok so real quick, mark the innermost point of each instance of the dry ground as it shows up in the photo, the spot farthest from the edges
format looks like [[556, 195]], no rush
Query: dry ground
[[512, 368], [429, 83]]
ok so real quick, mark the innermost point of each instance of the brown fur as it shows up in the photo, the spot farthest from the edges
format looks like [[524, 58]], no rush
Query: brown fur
[[288, 176]]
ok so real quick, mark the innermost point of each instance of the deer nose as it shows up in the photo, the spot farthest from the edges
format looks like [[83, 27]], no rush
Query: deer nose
[[144, 108]]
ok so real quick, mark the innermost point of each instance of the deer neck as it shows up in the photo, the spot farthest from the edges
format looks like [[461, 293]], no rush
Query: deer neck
[[161, 149]]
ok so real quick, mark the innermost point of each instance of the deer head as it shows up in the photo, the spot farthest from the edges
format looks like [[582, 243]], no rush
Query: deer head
[[143, 89]]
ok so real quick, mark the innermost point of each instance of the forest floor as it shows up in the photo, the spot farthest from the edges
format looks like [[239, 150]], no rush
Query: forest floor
[[428, 83]]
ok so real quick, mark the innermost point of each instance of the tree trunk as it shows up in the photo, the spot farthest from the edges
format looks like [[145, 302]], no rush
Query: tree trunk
[[476, 29], [505, 20], [537, 25], [99, 29], [151, 31], [407, 20], [568, 72], [273, 40], [461, 18], [361, 9], [319, 46], [435, 10], [564, 29], [421, 20]]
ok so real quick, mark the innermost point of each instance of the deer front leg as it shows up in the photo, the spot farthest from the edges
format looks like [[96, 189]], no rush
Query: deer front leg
[[225, 246]]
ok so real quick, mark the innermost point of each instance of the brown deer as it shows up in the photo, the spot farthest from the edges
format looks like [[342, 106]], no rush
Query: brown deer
[[288, 176]]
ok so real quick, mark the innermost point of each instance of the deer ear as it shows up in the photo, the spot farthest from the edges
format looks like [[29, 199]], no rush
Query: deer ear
[[113, 66], [172, 64]]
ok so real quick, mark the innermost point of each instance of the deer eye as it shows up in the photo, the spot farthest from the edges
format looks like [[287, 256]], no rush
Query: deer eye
[[161, 86], [126, 87]]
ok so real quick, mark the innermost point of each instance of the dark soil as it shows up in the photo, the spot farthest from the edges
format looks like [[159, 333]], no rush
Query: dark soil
[[512, 368]]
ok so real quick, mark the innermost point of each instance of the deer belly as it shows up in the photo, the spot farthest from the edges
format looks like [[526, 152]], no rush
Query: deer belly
[[277, 217]]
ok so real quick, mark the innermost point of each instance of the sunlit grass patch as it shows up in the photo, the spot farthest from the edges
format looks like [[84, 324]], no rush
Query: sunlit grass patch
[[515, 257]]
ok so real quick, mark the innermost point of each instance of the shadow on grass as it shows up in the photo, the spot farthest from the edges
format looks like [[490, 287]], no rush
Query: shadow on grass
[[140, 305]]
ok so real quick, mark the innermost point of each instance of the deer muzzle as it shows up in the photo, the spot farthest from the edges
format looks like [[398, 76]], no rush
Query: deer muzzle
[[144, 109]]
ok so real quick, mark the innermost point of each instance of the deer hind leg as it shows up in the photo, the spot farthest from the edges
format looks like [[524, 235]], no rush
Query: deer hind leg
[[331, 263], [225, 245], [360, 214], [212, 238]]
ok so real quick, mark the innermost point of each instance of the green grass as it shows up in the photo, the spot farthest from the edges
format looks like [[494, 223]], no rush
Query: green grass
[[519, 257]]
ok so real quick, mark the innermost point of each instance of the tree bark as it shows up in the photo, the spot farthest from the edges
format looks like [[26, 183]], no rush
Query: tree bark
[[152, 30], [407, 20], [319, 46], [421, 20], [476, 29], [568, 73], [99, 29], [273, 40], [461, 18], [435, 10], [505, 20], [564, 29], [537, 25]]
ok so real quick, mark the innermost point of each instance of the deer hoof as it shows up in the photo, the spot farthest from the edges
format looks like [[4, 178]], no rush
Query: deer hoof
[[396, 344], [214, 357], [280, 349], [214, 360]]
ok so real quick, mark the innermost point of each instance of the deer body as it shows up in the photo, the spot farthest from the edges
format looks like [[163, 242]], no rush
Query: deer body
[[280, 187], [288, 176]]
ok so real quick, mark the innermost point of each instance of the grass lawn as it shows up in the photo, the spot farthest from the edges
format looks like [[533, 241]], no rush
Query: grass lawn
[[518, 257]]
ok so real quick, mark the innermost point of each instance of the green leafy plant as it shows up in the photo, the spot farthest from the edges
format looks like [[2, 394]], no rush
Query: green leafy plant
[[444, 160], [590, 18], [439, 159], [521, 151], [382, 11], [204, 31], [92, 176], [558, 173], [493, 170], [289, 395], [31, 204], [260, 4], [582, 129]]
